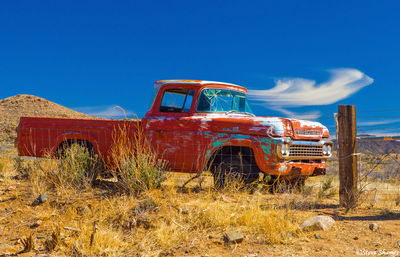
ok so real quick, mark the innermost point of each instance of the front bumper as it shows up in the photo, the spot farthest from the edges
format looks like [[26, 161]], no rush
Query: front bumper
[[295, 169]]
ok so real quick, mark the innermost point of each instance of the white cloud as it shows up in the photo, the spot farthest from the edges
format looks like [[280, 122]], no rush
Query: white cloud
[[303, 116], [108, 111], [297, 92]]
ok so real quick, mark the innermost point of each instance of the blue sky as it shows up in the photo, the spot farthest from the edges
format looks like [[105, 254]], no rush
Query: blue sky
[[93, 55]]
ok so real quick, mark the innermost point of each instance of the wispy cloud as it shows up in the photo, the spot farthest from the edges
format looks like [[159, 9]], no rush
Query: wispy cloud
[[298, 92], [108, 111]]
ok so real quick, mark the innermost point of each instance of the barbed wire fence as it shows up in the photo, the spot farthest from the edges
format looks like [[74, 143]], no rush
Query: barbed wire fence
[[378, 157]]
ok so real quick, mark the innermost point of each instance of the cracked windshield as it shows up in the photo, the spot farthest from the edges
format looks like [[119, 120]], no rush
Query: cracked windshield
[[219, 100]]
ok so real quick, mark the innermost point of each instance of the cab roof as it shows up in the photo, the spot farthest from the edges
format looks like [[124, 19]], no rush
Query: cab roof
[[195, 82]]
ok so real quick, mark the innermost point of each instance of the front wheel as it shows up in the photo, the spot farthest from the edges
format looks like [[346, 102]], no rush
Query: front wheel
[[233, 171]]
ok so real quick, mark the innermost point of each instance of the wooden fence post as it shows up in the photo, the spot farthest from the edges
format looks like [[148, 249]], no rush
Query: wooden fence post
[[347, 133]]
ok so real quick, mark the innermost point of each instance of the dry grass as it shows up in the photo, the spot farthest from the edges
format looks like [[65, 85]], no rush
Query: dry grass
[[134, 161], [145, 218]]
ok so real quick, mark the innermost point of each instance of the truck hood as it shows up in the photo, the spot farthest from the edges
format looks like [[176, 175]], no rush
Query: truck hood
[[265, 126]]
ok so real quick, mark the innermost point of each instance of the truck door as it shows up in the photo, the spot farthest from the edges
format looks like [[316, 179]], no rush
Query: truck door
[[171, 132]]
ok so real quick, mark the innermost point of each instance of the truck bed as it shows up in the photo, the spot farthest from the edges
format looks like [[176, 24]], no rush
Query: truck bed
[[41, 137]]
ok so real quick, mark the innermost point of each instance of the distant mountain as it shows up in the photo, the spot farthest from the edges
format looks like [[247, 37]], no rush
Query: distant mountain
[[14, 107], [376, 147]]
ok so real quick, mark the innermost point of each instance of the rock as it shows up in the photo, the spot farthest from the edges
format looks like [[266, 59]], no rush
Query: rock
[[41, 199], [227, 199], [10, 188], [373, 226], [355, 238], [233, 237], [36, 224], [318, 223], [317, 236]]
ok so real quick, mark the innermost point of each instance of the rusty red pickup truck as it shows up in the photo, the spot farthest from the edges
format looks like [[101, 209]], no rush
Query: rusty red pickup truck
[[196, 126]]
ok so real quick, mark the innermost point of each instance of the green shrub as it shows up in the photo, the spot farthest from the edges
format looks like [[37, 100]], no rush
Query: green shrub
[[77, 167], [326, 189], [141, 172]]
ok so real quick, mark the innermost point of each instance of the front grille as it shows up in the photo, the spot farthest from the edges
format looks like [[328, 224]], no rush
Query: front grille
[[305, 151]]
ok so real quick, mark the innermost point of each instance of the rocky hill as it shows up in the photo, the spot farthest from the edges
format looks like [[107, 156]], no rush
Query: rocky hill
[[375, 147], [12, 108]]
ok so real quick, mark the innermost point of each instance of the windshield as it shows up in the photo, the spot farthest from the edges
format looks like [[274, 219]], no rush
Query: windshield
[[220, 100]]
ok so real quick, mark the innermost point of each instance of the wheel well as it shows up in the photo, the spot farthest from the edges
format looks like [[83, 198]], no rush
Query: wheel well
[[67, 143], [234, 151]]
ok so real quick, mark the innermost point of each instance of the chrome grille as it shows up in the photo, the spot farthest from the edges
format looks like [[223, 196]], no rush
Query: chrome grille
[[305, 151]]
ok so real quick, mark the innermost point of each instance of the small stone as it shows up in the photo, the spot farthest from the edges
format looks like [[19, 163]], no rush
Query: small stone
[[317, 236], [355, 238], [42, 198], [318, 223], [227, 199], [373, 226], [233, 237], [10, 188], [36, 224]]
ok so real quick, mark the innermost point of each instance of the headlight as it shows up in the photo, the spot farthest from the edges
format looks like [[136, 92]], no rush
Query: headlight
[[327, 150], [285, 150]]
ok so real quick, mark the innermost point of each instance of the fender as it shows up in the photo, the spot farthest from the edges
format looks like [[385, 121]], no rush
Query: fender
[[262, 147]]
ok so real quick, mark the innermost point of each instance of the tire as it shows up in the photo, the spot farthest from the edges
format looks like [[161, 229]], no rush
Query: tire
[[233, 171]]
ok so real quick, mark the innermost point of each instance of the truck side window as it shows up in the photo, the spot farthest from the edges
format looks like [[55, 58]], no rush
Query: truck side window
[[189, 100], [177, 100]]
